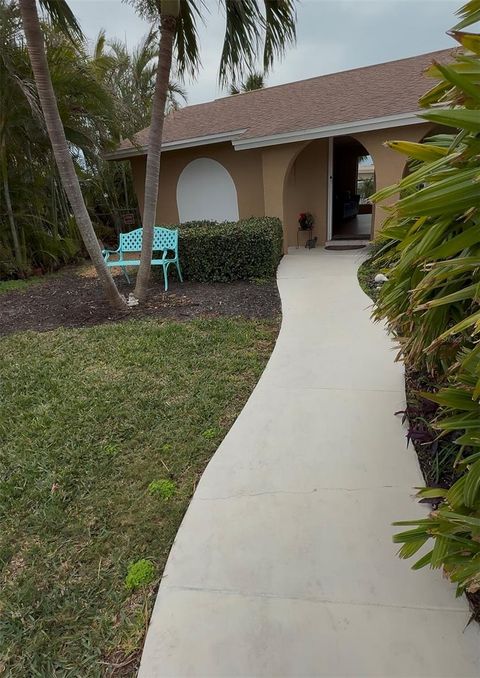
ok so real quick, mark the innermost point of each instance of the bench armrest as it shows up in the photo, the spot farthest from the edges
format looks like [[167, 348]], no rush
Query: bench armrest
[[106, 253]]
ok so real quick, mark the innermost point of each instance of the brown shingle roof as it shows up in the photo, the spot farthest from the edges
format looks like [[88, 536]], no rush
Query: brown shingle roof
[[386, 89]]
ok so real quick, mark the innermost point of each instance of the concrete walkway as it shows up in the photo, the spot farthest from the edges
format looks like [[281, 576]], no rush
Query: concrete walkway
[[284, 564]]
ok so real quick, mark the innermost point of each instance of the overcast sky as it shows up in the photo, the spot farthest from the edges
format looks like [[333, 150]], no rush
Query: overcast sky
[[333, 35]]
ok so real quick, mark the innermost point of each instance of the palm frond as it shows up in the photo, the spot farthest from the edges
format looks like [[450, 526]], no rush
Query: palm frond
[[62, 17], [280, 29]]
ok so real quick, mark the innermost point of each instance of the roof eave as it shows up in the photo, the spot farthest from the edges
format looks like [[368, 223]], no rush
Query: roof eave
[[124, 154], [384, 122], [338, 129]]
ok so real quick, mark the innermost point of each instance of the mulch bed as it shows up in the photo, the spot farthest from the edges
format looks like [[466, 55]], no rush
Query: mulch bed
[[420, 413], [74, 299]]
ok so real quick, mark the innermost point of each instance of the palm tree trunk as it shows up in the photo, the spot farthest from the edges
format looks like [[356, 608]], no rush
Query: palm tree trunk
[[66, 168], [152, 174], [17, 250]]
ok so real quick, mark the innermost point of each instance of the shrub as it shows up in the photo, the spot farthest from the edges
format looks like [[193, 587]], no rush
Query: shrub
[[222, 252], [431, 300], [454, 527], [140, 573]]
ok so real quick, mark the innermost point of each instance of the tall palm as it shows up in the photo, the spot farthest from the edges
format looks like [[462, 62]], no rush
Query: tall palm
[[254, 81], [61, 14], [249, 26]]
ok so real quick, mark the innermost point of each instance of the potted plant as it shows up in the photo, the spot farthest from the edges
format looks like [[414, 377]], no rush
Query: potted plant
[[305, 220]]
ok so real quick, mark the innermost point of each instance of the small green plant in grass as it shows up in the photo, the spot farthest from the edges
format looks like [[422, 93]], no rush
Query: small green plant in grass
[[163, 488], [210, 433], [111, 449], [140, 574]]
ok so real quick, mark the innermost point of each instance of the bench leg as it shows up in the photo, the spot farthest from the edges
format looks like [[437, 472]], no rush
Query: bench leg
[[126, 274], [179, 270], [165, 275]]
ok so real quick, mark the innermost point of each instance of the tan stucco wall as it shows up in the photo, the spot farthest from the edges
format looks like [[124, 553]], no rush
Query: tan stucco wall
[[279, 180], [277, 161], [245, 169], [305, 190]]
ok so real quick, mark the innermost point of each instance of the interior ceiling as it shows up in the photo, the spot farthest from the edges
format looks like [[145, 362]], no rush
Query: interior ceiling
[[353, 146]]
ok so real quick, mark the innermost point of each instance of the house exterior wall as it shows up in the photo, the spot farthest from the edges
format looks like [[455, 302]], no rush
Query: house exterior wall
[[389, 165], [280, 180], [305, 190], [245, 168]]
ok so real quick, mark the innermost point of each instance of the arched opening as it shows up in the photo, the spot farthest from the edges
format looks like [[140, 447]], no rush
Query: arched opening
[[305, 191], [353, 182], [205, 190]]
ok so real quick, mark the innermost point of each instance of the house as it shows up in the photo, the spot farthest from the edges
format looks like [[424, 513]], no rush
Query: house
[[290, 148]]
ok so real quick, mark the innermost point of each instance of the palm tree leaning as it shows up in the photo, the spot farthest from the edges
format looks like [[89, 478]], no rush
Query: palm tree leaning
[[62, 15], [248, 24]]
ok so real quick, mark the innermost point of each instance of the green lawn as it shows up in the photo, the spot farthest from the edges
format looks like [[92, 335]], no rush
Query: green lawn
[[92, 424], [24, 284]]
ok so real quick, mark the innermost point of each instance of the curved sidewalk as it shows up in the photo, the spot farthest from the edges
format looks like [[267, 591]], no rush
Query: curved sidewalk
[[284, 563]]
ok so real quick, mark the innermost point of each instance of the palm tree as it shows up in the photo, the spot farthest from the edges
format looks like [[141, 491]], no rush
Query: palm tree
[[248, 24], [130, 76], [61, 15], [255, 80]]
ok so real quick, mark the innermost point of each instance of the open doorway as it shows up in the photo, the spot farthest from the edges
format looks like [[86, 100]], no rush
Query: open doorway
[[352, 185]]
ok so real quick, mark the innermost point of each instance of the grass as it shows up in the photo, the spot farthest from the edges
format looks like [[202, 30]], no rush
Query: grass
[[91, 420], [22, 285]]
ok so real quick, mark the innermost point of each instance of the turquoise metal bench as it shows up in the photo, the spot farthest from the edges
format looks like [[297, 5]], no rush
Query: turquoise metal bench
[[165, 240]]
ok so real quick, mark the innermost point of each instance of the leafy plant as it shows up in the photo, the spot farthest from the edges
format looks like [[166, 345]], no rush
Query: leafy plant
[[164, 488], [431, 247], [140, 574], [221, 252], [455, 526]]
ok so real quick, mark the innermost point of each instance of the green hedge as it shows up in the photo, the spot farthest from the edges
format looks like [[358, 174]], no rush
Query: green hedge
[[220, 252]]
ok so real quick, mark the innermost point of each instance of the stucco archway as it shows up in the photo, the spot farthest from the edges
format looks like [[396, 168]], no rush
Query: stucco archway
[[205, 190], [305, 190]]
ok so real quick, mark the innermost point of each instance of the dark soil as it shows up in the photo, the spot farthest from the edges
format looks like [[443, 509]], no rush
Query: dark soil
[[436, 456], [75, 299]]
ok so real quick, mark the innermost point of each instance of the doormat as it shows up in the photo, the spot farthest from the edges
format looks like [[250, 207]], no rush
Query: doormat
[[345, 247]]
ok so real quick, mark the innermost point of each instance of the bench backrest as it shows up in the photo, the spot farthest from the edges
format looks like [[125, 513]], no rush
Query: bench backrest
[[163, 239]]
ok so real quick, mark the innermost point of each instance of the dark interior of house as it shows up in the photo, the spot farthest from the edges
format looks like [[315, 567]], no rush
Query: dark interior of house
[[351, 209]]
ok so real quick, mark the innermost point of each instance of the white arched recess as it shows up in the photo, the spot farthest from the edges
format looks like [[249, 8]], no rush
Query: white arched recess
[[205, 190]]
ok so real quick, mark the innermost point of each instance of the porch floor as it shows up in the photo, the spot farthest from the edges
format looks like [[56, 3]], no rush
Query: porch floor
[[284, 563], [359, 227]]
